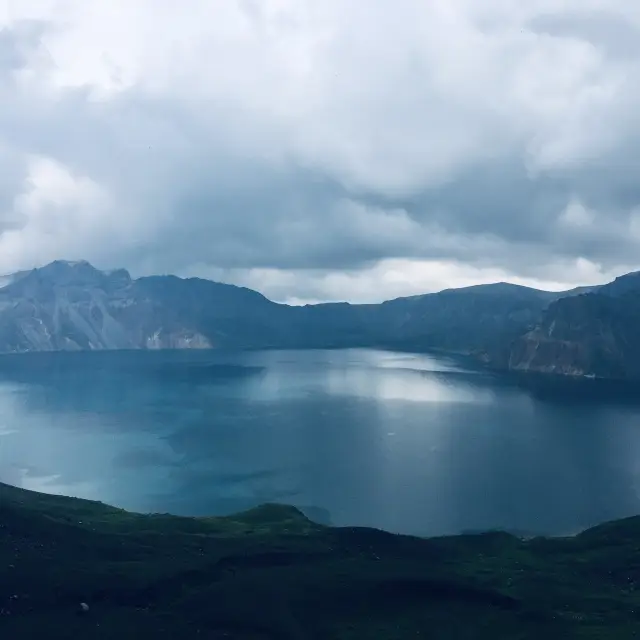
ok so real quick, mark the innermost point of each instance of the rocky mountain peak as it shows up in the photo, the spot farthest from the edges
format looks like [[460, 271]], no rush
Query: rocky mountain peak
[[65, 272]]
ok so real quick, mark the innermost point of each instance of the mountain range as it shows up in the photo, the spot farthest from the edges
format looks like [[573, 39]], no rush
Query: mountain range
[[64, 305]]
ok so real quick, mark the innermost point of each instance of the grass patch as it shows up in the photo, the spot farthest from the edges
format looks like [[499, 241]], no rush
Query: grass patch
[[270, 573]]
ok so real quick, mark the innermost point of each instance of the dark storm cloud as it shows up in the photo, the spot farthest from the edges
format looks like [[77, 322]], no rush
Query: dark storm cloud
[[480, 147]]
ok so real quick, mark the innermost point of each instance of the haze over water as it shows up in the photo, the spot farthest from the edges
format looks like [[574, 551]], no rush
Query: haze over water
[[408, 443]]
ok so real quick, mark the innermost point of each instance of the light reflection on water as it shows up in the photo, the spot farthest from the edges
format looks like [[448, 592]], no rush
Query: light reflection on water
[[405, 442]]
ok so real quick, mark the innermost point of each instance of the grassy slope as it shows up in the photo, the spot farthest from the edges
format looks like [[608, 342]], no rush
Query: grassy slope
[[271, 573]]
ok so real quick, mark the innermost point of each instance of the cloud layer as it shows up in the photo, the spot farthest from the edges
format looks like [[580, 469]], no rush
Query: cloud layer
[[323, 150]]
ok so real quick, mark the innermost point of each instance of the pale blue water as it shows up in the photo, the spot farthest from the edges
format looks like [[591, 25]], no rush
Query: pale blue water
[[404, 442]]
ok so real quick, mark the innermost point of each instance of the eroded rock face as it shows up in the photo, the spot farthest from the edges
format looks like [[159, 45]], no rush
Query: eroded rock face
[[74, 306], [595, 334], [535, 353]]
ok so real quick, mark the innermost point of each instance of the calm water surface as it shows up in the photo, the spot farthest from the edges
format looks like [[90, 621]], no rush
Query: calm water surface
[[404, 442]]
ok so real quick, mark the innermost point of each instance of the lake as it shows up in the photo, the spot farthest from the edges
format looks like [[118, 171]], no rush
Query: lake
[[405, 442]]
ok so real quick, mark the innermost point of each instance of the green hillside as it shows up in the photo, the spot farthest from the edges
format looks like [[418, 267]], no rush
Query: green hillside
[[270, 573]]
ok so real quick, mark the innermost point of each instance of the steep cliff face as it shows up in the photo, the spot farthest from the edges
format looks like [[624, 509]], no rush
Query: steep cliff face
[[74, 306], [481, 319], [595, 334]]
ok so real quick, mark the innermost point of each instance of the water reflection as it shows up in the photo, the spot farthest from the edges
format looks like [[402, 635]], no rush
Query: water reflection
[[409, 385], [404, 442]]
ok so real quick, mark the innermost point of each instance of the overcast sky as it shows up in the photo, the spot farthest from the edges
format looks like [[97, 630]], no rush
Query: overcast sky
[[323, 150]]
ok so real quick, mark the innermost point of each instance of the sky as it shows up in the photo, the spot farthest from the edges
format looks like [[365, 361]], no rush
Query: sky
[[334, 150]]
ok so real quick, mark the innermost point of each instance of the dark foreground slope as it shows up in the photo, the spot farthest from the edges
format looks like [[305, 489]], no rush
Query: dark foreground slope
[[271, 574]]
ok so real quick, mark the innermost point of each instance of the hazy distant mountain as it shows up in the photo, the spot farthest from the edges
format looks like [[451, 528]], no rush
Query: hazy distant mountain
[[74, 306]]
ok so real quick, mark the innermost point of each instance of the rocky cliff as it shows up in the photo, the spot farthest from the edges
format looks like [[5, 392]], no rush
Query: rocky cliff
[[595, 334], [480, 320], [74, 306]]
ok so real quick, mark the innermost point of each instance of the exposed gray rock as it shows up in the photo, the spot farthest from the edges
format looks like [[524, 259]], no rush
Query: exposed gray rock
[[594, 335], [73, 306]]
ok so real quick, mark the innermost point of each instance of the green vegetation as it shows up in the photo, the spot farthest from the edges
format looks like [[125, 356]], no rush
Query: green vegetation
[[270, 573]]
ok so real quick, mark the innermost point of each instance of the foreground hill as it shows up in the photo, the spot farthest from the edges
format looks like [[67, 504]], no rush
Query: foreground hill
[[74, 306], [272, 574]]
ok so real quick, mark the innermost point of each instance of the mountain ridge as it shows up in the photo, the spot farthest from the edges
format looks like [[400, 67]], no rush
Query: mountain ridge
[[72, 305], [60, 264], [68, 305]]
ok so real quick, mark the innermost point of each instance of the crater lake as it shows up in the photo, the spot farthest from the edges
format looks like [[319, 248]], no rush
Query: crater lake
[[405, 442]]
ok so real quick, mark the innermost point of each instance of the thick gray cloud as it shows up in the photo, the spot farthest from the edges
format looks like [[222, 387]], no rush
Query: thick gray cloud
[[323, 150]]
